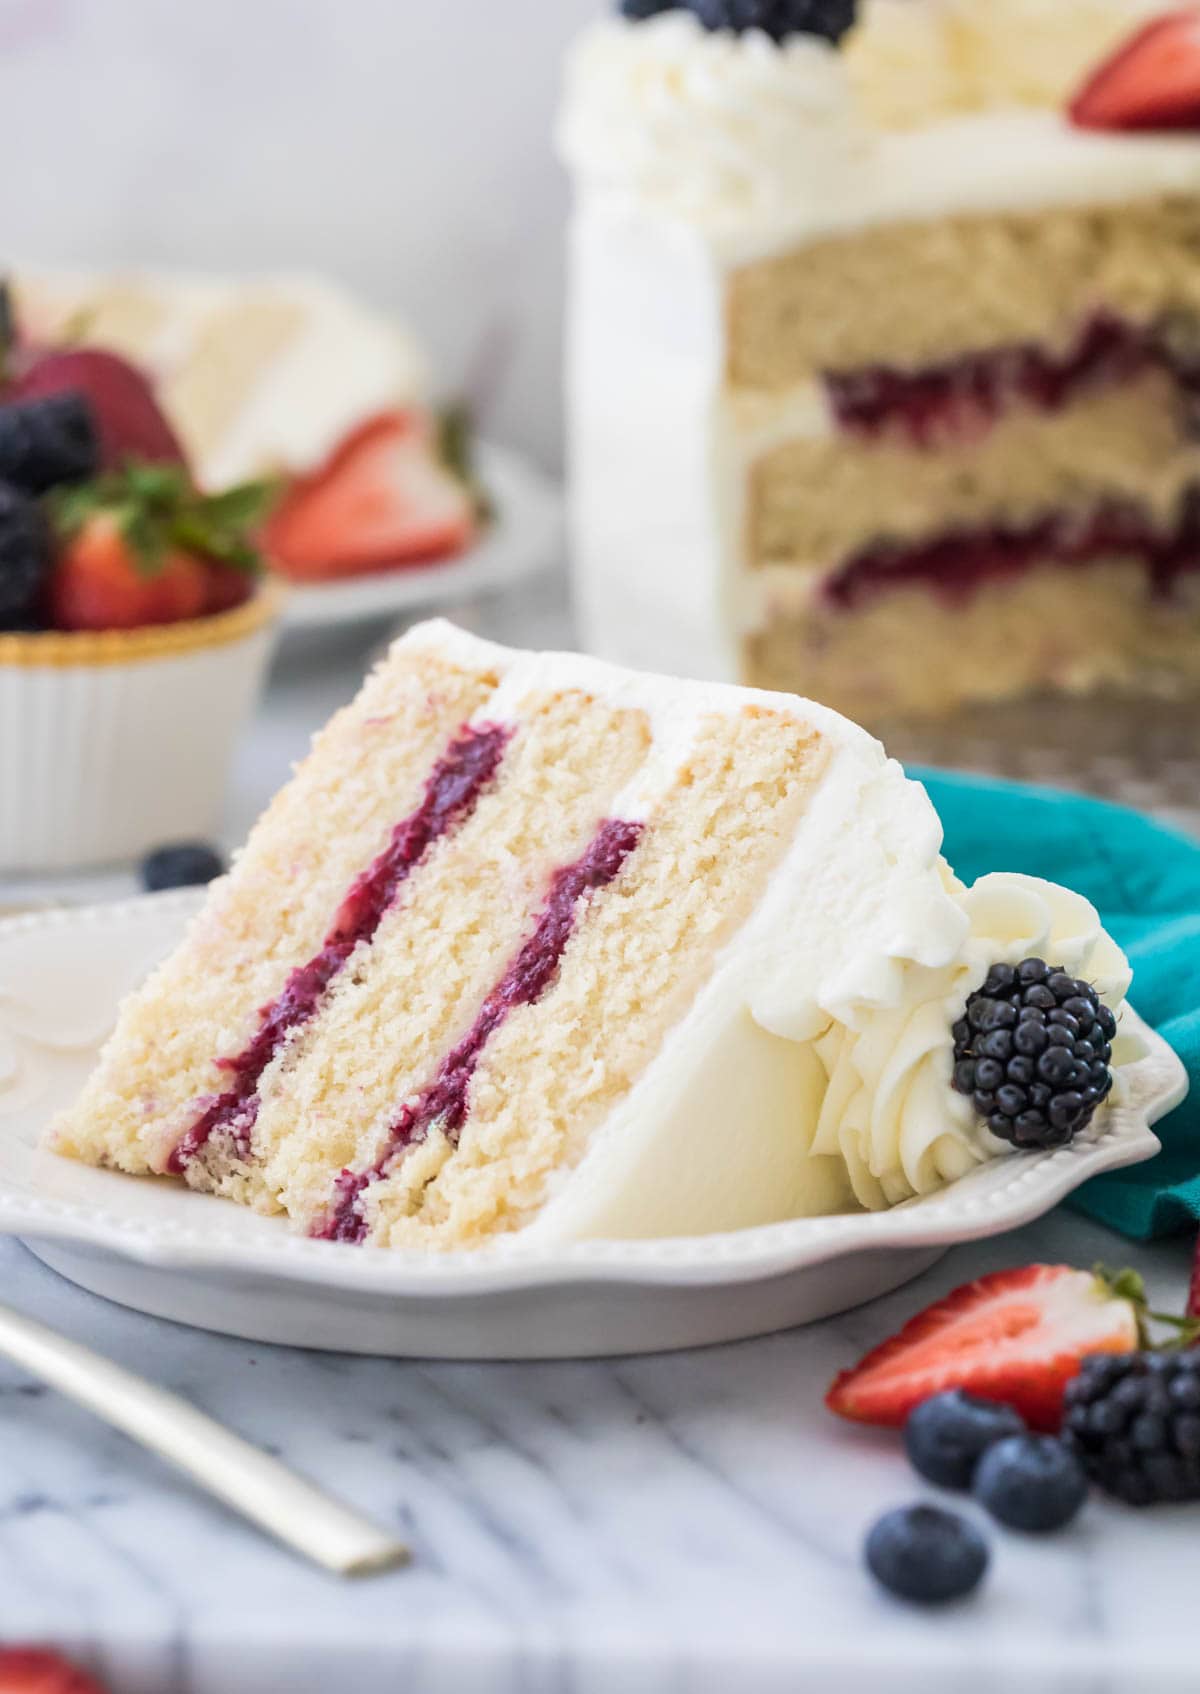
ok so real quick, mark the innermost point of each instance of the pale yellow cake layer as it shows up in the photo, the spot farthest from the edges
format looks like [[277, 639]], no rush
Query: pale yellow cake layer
[[920, 293], [367, 771], [383, 1033], [233, 353], [818, 501], [641, 950], [1054, 628]]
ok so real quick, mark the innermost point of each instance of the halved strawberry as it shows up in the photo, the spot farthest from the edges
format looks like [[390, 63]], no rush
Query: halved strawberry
[[1017, 1336], [129, 420], [384, 499], [1151, 82], [37, 1670]]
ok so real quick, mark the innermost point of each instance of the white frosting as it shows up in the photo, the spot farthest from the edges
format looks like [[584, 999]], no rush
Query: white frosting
[[759, 147], [706, 126], [813, 1070], [888, 1108], [912, 62], [339, 364]]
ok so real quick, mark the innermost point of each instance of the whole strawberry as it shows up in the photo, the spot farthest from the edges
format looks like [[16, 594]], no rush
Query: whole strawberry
[[140, 546]]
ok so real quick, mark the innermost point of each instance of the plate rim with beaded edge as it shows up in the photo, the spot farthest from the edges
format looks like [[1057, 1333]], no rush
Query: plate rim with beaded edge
[[162, 1249]]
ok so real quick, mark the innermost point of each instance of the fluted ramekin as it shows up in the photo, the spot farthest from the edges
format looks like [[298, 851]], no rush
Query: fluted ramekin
[[114, 743]]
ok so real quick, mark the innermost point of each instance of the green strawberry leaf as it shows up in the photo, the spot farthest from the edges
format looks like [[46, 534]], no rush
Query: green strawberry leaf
[[157, 509]]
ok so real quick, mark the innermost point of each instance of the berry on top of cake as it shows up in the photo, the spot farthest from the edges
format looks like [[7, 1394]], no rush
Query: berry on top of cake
[[288, 379], [530, 942], [776, 18], [882, 346]]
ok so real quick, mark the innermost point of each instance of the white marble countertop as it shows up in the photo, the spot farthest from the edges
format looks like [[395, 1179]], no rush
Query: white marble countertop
[[688, 1524]]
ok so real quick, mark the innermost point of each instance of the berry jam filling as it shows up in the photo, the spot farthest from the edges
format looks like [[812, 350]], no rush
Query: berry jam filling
[[451, 792], [959, 561], [962, 398], [529, 974]]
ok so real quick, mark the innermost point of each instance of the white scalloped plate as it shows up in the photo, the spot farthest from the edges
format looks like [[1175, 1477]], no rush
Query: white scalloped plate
[[161, 1249], [523, 538]]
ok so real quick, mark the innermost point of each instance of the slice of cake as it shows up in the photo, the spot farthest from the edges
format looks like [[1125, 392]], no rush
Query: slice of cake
[[884, 347], [286, 377], [533, 943]]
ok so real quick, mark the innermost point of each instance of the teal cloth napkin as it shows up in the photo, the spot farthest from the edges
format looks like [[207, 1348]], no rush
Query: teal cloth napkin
[[1144, 880]]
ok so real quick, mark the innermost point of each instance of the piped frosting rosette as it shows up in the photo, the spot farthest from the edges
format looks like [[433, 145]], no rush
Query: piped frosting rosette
[[889, 1108]]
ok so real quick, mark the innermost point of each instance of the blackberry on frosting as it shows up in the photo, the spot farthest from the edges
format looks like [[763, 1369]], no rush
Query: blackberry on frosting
[[776, 18]]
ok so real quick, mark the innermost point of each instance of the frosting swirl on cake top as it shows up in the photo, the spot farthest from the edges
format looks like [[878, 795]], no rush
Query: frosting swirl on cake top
[[912, 62], [708, 127]]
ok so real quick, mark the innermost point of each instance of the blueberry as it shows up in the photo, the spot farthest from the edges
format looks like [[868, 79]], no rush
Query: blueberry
[[187, 864], [640, 10], [924, 1554], [946, 1436], [1031, 1482]]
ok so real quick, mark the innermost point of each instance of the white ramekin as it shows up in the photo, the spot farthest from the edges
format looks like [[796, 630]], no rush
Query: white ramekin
[[114, 743]]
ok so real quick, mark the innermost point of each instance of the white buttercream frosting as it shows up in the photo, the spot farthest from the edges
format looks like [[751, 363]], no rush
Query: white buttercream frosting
[[931, 108], [888, 1107], [708, 126], [913, 61]]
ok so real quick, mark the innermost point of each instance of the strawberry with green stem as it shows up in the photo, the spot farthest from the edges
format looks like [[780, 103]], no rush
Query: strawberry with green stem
[[1016, 1336], [140, 546]]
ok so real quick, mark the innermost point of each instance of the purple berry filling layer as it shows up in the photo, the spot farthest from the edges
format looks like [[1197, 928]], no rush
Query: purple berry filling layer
[[958, 562], [961, 399], [451, 792], [446, 1101]]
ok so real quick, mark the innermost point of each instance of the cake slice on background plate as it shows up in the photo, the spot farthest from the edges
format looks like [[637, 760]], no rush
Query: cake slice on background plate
[[532, 943], [884, 346], [284, 377]]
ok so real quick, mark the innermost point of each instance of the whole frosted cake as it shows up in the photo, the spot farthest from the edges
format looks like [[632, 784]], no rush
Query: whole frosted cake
[[884, 345], [532, 943]]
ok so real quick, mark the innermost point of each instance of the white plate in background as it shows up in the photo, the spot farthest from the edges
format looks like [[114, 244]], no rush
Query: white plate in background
[[524, 536], [157, 1247]]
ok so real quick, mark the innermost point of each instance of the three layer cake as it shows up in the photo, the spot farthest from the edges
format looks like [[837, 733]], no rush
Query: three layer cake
[[531, 943], [884, 346]]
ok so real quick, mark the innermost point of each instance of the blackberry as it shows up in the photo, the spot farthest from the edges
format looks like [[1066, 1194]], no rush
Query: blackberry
[[640, 10], [26, 552], [1033, 1050], [1133, 1419], [778, 18], [48, 441]]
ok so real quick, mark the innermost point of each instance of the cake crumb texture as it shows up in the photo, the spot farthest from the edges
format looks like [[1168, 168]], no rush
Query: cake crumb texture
[[924, 292], [638, 955], [329, 1101], [366, 771]]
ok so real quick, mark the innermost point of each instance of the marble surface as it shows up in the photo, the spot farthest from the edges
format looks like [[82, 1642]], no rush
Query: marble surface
[[677, 1525]]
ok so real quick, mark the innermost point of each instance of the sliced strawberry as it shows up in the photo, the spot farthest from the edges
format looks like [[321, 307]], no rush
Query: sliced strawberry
[[128, 417], [36, 1670], [1151, 82], [1017, 1336], [98, 583], [384, 499]]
